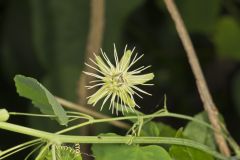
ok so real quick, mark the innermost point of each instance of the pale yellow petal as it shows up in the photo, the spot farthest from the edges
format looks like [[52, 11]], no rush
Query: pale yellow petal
[[101, 93], [125, 60], [102, 65], [125, 97], [139, 79]]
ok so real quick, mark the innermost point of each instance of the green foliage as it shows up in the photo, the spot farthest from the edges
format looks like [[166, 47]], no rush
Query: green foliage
[[41, 98], [200, 16], [129, 152], [187, 153], [117, 13], [59, 35], [227, 38], [157, 129], [200, 133]]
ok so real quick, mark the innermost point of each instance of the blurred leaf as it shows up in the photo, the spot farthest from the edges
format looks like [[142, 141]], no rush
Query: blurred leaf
[[200, 133], [41, 98], [60, 31], [198, 15], [187, 153], [66, 82], [157, 129], [16, 41], [117, 13], [227, 38]]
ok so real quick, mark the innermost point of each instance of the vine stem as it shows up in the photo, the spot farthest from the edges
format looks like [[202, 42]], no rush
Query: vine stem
[[19, 147], [163, 114], [58, 139], [204, 92], [74, 106]]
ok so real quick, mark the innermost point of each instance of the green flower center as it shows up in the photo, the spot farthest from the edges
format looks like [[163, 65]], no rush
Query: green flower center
[[118, 80]]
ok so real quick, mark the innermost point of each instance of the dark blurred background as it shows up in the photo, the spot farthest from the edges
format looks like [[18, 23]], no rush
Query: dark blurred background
[[46, 39]]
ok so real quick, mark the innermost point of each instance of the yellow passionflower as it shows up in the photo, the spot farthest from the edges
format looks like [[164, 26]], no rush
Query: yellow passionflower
[[118, 83]]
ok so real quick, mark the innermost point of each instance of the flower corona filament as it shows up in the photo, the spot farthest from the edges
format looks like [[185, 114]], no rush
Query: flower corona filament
[[117, 83]]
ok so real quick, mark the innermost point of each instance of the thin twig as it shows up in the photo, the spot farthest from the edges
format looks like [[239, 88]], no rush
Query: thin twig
[[205, 95], [92, 113]]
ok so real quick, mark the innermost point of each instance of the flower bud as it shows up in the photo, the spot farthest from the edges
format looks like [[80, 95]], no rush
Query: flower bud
[[4, 115]]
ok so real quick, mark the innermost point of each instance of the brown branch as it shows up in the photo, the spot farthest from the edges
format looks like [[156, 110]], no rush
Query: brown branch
[[94, 42], [205, 95], [92, 113]]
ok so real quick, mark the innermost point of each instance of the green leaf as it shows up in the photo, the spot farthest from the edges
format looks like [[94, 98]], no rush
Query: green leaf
[[200, 133], [227, 38], [41, 98], [129, 152], [157, 129], [187, 153]]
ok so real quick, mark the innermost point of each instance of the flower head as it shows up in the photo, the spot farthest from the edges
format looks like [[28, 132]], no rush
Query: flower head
[[117, 83]]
